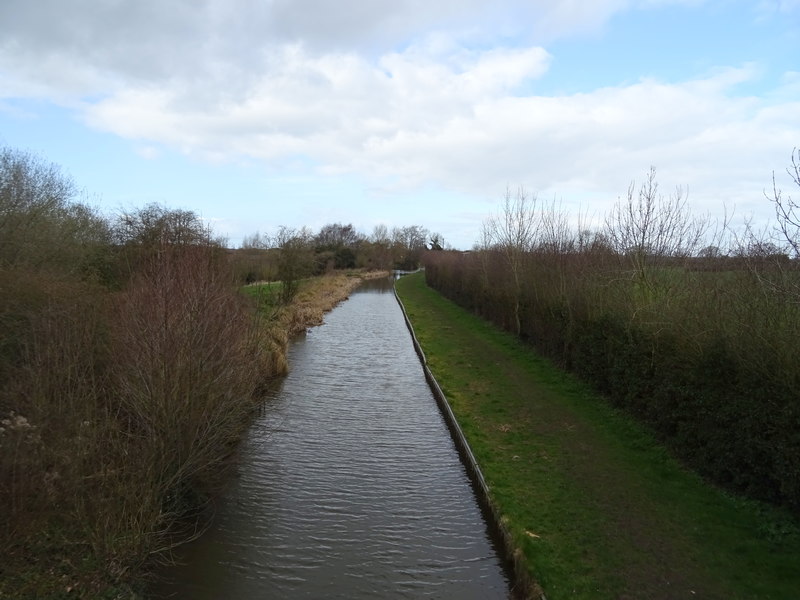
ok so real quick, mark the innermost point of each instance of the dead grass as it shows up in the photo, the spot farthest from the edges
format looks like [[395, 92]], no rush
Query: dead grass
[[315, 297]]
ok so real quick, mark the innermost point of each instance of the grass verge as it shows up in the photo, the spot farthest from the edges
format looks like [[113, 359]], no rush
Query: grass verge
[[598, 508]]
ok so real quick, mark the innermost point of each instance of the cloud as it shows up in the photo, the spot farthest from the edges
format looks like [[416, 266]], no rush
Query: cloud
[[460, 121], [73, 48], [339, 109], [405, 92]]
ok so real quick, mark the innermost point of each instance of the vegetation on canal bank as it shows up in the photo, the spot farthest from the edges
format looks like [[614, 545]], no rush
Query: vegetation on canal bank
[[130, 366], [89, 518], [598, 508], [315, 296], [689, 328]]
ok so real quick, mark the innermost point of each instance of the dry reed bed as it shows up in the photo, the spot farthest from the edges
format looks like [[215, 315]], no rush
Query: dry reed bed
[[317, 297]]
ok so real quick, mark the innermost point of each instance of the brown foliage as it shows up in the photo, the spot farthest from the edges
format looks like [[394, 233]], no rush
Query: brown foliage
[[702, 349], [120, 412]]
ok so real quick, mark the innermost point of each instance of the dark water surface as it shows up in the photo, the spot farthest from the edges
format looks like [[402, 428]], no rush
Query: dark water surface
[[349, 484]]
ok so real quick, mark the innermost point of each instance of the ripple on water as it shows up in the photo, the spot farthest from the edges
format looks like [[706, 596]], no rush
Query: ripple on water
[[349, 484]]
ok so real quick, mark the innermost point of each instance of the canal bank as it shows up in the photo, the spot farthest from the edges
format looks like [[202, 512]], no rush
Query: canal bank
[[524, 585], [597, 508], [349, 485]]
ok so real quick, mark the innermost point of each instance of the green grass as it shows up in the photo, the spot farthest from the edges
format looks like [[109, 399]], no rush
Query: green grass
[[267, 295], [597, 506]]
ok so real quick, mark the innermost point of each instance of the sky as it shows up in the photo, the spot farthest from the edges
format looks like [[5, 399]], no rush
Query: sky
[[257, 114]]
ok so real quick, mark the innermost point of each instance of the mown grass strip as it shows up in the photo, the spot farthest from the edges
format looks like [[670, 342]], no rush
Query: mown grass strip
[[597, 506]]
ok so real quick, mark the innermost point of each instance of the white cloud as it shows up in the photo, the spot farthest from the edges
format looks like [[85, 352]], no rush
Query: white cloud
[[73, 48], [340, 110], [406, 91], [459, 123]]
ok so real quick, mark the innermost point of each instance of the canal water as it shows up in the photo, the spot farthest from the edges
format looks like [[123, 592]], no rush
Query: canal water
[[349, 485]]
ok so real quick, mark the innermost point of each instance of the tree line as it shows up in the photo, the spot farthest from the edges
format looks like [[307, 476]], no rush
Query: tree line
[[689, 325], [294, 253]]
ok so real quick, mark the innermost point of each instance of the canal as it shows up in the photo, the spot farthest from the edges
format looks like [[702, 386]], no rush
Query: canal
[[349, 484]]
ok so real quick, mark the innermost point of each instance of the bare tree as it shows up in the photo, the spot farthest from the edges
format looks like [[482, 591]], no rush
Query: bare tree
[[408, 243], [513, 232], [336, 246], [787, 210], [336, 235], [380, 235], [773, 254], [155, 225], [437, 241], [555, 235], [647, 226], [256, 241], [376, 251]]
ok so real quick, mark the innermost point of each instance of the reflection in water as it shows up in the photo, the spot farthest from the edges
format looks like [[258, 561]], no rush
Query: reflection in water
[[349, 484]]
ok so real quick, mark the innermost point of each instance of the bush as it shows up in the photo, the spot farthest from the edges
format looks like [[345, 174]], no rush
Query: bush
[[129, 368], [706, 358]]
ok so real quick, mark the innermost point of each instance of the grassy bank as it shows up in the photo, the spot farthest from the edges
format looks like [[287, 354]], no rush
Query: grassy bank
[[597, 507], [315, 297]]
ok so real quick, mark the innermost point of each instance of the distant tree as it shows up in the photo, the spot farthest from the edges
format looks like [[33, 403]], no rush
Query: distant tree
[[380, 235], [42, 225], [256, 241], [765, 250], [156, 225], [375, 250], [555, 236], [336, 235], [408, 244], [295, 261], [710, 252], [255, 260], [436, 242], [647, 226], [336, 246]]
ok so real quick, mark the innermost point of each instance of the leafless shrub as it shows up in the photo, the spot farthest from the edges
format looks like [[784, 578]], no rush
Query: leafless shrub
[[56, 384], [772, 252], [647, 227], [513, 232], [184, 372], [787, 210]]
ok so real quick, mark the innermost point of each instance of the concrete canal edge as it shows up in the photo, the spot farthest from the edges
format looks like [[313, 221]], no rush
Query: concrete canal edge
[[523, 585]]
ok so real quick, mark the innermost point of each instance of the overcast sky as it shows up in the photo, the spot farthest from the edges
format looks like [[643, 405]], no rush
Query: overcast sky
[[260, 113]]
